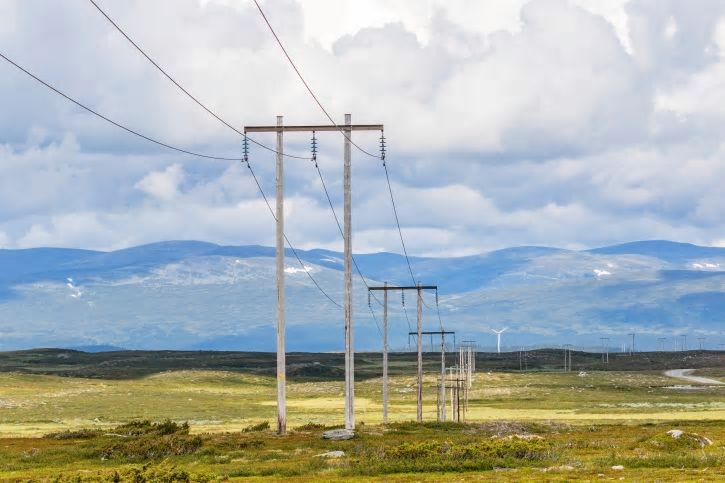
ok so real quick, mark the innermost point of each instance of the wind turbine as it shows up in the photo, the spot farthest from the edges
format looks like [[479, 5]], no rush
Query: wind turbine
[[498, 333]]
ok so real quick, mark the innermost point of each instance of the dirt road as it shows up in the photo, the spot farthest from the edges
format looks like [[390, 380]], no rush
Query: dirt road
[[683, 374]]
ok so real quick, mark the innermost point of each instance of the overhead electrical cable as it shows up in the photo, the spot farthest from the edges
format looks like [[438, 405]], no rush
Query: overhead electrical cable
[[322, 108], [244, 135], [304, 268], [397, 222], [135, 133], [191, 153], [339, 227], [307, 86], [197, 101], [317, 101]]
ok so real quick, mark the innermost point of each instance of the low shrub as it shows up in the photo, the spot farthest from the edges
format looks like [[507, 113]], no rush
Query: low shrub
[[162, 473], [263, 426], [139, 428], [512, 447], [85, 433], [152, 447], [310, 427]]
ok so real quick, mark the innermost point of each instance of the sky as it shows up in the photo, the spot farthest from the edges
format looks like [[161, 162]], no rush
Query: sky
[[573, 124]]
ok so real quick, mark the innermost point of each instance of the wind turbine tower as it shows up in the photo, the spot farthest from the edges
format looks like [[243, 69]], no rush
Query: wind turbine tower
[[498, 334]]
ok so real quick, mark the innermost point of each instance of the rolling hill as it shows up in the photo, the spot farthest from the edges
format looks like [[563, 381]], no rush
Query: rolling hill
[[197, 295]]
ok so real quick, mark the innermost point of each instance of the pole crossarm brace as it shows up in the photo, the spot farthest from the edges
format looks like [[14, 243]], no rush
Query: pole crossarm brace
[[412, 287], [323, 128], [434, 332]]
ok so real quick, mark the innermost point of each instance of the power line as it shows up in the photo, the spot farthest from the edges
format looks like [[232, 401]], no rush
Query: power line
[[185, 91], [287, 239], [400, 232], [317, 101], [169, 147], [339, 227], [406, 318], [135, 133], [397, 222], [307, 86], [375, 318], [244, 135]]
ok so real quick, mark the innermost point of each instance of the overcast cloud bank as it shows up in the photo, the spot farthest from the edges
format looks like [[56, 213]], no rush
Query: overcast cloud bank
[[545, 122]]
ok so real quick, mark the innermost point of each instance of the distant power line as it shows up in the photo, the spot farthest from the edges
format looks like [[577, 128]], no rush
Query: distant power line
[[169, 147], [304, 82], [322, 108], [135, 133], [197, 101]]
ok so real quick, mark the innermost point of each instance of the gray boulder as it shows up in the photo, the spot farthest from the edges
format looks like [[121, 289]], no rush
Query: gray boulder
[[339, 434], [331, 454]]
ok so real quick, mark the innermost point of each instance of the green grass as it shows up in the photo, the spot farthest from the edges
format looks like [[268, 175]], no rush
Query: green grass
[[208, 423]]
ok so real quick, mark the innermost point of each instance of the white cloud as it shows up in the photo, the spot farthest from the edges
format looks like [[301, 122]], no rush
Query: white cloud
[[543, 122], [163, 185]]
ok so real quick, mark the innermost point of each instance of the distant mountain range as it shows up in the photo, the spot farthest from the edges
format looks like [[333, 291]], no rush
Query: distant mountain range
[[197, 295]]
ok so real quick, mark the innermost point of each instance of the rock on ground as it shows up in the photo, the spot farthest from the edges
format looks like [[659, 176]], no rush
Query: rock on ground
[[338, 434], [331, 454]]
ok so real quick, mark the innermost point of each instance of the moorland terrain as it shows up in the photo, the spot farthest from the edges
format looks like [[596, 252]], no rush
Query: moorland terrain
[[210, 416]]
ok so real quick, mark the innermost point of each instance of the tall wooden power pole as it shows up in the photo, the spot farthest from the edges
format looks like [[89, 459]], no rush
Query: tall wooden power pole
[[349, 351], [385, 354], [347, 129], [420, 355], [281, 351], [443, 377]]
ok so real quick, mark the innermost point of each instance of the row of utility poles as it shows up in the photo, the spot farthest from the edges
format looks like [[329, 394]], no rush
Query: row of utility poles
[[347, 130], [459, 381]]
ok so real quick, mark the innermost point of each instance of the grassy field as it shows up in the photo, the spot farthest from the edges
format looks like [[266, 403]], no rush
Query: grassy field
[[540, 424]]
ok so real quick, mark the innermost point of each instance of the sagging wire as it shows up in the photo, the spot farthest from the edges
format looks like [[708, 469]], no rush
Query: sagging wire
[[269, 206], [332, 208]]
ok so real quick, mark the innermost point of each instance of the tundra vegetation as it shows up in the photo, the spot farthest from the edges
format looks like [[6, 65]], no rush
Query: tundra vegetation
[[68, 416]]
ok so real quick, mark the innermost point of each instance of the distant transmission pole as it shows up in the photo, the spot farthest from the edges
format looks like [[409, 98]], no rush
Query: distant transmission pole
[[347, 129], [419, 333], [663, 342]]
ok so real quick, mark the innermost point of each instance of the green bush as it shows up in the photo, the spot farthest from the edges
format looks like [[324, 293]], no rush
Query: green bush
[[512, 447], [263, 426], [162, 473], [310, 427], [667, 443], [80, 434], [152, 447], [138, 428], [411, 451]]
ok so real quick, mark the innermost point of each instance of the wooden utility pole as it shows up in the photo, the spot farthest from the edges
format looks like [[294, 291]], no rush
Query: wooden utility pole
[[443, 376], [420, 356], [349, 350], [347, 129], [471, 347], [385, 354], [419, 333], [281, 350]]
